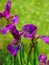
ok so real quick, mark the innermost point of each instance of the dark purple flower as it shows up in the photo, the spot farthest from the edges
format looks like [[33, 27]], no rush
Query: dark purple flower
[[29, 30], [13, 49], [42, 58]]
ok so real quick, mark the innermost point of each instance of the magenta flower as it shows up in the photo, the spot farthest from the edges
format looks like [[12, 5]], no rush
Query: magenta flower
[[30, 31], [42, 58], [6, 14], [13, 50]]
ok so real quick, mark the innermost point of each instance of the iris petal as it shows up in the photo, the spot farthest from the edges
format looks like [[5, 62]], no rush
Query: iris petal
[[14, 20], [8, 6], [45, 39], [29, 30], [4, 30], [13, 50], [42, 58], [14, 32]]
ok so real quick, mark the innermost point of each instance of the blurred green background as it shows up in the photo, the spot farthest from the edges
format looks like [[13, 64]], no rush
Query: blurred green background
[[29, 11]]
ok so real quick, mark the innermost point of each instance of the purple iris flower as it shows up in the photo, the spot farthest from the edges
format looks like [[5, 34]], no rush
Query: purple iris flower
[[42, 58], [13, 50], [6, 14], [30, 31]]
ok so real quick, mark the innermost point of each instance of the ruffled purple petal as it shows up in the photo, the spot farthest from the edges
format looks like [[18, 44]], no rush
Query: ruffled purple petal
[[45, 39], [42, 58], [13, 50], [29, 30], [14, 20]]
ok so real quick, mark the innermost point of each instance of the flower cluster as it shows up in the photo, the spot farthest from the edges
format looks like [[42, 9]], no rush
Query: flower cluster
[[28, 30]]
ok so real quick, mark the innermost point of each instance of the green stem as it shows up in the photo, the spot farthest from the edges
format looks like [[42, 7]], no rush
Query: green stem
[[15, 60], [11, 60], [28, 57], [21, 56], [35, 53]]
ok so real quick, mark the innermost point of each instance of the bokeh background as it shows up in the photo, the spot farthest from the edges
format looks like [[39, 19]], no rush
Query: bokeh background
[[29, 11]]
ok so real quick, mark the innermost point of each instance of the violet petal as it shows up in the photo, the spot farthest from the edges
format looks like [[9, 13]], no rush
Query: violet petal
[[14, 20], [8, 6], [45, 39], [14, 32], [29, 30], [13, 50], [5, 29], [42, 58]]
